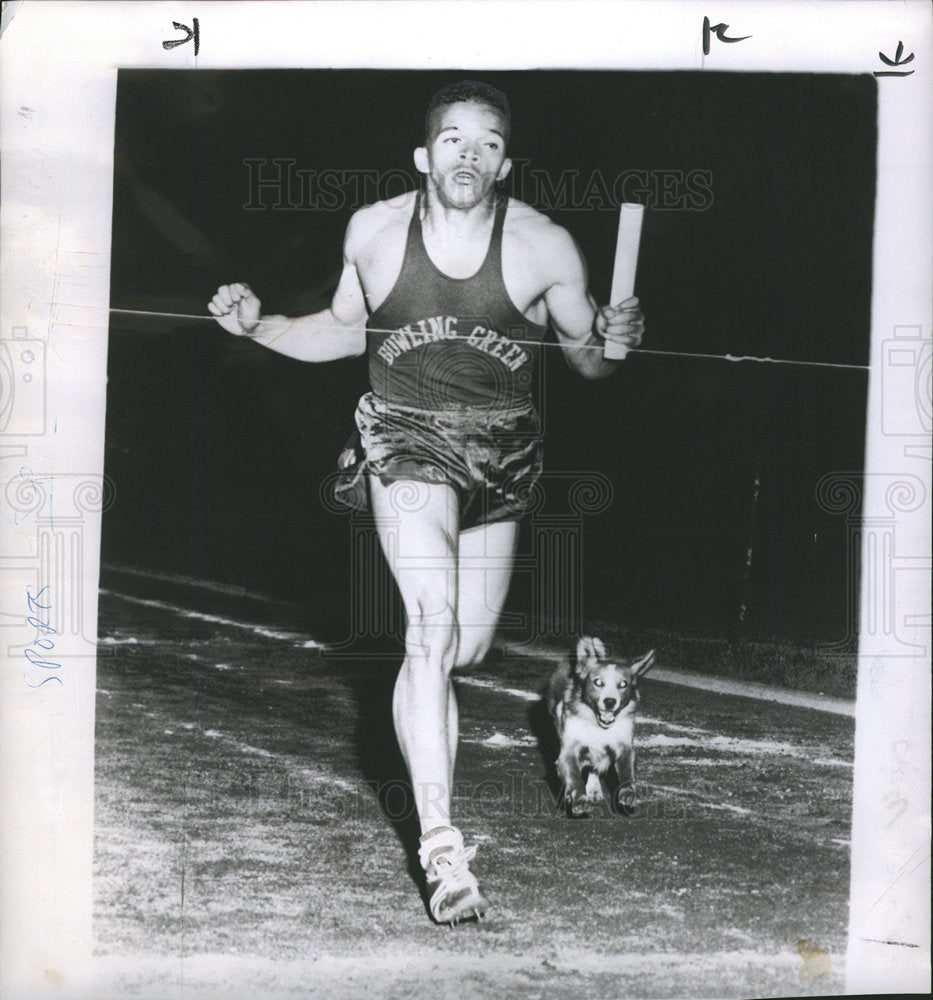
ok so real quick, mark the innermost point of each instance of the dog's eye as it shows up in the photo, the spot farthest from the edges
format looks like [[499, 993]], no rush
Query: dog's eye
[[623, 684], [598, 682]]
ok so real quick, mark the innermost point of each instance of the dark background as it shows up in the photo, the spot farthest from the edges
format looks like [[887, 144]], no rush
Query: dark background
[[217, 448]]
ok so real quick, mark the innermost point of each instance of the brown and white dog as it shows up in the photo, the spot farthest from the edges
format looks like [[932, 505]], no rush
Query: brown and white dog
[[593, 701]]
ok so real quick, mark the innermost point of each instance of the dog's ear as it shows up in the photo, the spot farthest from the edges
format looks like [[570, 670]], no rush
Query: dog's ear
[[643, 665], [588, 650]]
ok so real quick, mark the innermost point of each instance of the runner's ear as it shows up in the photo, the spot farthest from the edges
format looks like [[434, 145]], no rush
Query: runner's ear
[[504, 169], [421, 159]]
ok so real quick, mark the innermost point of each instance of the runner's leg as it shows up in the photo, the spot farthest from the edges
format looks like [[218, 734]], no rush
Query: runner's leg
[[418, 526], [484, 569]]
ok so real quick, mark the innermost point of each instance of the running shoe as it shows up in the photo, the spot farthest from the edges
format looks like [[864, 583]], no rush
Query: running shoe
[[454, 892]]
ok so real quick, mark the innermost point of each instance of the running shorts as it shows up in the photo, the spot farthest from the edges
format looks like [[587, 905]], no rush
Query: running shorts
[[491, 457]]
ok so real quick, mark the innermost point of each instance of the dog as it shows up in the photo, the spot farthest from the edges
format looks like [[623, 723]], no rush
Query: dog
[[593, 701]]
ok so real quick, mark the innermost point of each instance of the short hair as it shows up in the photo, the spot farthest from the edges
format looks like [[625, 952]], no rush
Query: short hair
[[469, 90]]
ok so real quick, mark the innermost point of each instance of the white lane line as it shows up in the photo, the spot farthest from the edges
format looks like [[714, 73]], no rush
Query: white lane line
[[652, 720], [214, 619], [318, 776], [733, 744], [215, 734], [667, 675], [707, 740], [502, 741], [711, 683], [492, 686], [752, 689], [229, 589], [740, 810], [696, 800], [702, 739]]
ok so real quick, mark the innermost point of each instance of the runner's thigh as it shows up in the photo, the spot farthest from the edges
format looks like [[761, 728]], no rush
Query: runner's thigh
[[486, 556], [418, 525]]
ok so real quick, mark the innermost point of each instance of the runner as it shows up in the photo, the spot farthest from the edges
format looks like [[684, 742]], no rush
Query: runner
[[449, 291]]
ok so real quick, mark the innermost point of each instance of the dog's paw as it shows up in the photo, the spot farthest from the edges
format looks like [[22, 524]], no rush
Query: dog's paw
[[594, 789], [580, 808], [626, 799]]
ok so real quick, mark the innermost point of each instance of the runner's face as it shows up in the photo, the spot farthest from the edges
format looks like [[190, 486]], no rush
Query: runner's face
[[466, 154]]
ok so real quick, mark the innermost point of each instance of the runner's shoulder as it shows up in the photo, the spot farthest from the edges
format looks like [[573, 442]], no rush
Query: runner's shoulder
[[537, 236], [376, 221]]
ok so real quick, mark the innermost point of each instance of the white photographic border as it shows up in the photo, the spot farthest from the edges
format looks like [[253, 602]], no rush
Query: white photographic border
[[58, 80]]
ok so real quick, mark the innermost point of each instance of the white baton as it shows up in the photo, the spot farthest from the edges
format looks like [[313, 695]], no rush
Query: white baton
[[623, 271]]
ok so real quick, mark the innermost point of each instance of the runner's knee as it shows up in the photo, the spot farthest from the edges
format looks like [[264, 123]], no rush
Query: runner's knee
[[473, 647], [432, 632]]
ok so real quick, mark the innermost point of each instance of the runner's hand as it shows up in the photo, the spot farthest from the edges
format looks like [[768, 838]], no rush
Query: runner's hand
[[624, 323], [236, 308]]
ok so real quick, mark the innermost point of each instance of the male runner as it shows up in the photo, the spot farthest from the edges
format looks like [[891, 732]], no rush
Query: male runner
[[449, 291]]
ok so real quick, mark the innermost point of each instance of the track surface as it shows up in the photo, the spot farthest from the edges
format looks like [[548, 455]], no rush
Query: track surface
[[255, 836]]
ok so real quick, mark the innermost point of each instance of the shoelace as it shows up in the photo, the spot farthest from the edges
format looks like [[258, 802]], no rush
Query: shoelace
[[452, 871]]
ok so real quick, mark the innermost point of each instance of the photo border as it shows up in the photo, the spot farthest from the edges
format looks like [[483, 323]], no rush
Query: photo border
[[58, 90]]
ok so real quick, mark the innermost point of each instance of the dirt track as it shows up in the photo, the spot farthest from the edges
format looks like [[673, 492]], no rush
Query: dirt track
[[254, 836]]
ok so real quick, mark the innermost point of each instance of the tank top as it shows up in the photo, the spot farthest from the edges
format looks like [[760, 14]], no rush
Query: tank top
[[440, 343]]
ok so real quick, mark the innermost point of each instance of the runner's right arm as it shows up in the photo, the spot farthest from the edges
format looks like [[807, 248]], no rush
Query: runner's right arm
[[334, 333]]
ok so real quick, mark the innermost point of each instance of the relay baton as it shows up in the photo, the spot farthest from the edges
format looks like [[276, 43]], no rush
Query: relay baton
[[623, 271]]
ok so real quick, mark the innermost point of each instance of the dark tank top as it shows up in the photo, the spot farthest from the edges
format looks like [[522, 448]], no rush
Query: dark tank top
[[441, 343]]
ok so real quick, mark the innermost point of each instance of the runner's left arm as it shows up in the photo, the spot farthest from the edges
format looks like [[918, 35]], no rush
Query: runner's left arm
[[579, 323]]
